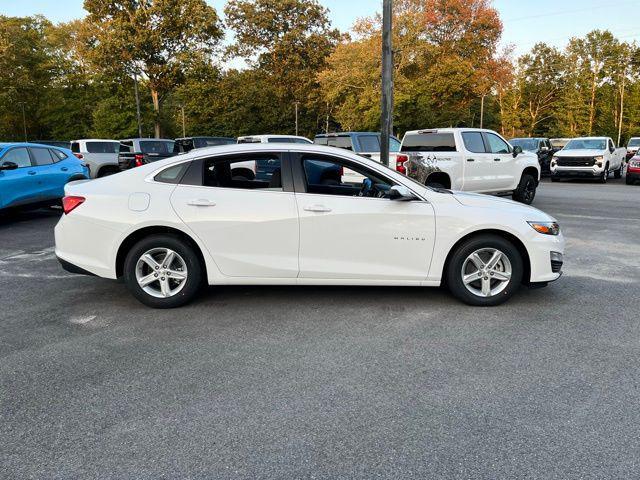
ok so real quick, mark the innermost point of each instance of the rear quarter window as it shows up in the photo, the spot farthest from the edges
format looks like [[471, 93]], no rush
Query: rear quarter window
[[172, 174], [429, 142]]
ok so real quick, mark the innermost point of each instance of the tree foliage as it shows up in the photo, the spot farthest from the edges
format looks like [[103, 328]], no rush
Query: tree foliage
[[76, 79]]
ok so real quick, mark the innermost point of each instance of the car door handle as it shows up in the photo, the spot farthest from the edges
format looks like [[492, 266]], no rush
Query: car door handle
[[201, 202], [471, 159], [64, 169], [317, 208], [31, 172], [496, 159]]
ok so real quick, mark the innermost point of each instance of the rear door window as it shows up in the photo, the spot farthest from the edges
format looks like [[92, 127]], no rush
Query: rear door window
[[343, 142], [320, 141], [75, 147], [369, 143], [19, 156], [429, 142], [102, 147], [41, 156], [473, 142]]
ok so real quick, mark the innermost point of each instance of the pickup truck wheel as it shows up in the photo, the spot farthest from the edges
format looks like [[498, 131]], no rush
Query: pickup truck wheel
[[628, 180], [484, 271], [526, 191], [618, 173], [605, 175], [162, 271]]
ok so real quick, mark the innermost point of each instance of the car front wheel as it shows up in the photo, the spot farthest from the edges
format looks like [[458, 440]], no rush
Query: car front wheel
[[526, 191], [163, 271], [485, 271]]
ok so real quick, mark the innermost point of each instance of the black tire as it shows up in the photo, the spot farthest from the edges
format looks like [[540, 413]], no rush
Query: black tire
[[194, 268], [629, 180], [555, 178], [618, 173], [526, 191], [453, 275], [605, 175]]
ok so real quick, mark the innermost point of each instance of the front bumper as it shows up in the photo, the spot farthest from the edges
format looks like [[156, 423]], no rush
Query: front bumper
[[546, 257], [577, 172]]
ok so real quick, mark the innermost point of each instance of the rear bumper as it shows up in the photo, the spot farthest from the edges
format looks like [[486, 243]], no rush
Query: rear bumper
[[71, 268]]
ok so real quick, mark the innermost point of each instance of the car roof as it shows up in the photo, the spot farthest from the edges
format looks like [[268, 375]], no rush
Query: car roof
[[447, 130], [96, 140], [147, 138], [6, 145], [273, 136], [590, 138]]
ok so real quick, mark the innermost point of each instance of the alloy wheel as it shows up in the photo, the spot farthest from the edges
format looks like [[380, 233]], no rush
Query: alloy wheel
[[161, 272], [486, 272]]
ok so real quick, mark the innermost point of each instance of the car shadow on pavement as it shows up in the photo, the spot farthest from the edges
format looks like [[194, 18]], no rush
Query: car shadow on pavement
[[12, 217]]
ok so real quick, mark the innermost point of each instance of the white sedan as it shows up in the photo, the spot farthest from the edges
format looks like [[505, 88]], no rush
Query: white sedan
[[298, 218]]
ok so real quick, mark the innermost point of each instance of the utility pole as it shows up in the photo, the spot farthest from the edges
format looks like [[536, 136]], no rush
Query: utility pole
[[624, 76], [24, 122], [326, 128], [297, 103], [135, 88], [482, 112], [184, 132], [386, 118]]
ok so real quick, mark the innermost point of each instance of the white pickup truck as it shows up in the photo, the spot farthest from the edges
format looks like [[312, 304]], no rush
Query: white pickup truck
[[469, 159], [591, 157], [101, 156]]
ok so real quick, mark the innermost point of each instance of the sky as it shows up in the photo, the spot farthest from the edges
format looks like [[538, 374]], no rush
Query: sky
[[525, 21]]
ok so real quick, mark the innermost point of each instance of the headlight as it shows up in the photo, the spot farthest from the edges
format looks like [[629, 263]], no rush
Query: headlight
[[634, 163], [545, 228], [554, 159], [599, 158]]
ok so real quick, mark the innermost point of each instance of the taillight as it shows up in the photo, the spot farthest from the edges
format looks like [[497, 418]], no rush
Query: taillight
[[79, 156], [138, 159], [70, 203], [400, 161]]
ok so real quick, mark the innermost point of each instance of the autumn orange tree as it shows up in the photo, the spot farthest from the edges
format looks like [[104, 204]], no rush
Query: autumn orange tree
[[444, 52]]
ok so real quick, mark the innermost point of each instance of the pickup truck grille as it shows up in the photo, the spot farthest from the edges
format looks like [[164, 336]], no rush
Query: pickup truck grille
[[576, 162]]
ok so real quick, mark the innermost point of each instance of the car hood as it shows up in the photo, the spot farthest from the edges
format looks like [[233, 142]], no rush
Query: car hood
[[579, 153], [501, 205]]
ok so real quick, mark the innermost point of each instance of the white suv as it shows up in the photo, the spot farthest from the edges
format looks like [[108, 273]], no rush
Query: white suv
[[101, 156], [471, 160]]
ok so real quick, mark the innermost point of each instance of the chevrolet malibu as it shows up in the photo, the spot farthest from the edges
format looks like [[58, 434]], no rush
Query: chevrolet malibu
[[301, 218]]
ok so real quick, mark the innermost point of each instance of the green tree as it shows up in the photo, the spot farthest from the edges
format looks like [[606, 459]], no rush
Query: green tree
[[289, 42], [157, 39]]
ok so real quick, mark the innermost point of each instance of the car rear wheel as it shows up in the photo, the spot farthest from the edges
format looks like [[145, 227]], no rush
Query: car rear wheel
[[618, 173], [485, 271], [526, 191], [163, 271]]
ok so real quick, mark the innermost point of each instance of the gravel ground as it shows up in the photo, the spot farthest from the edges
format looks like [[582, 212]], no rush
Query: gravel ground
[[294, 382]]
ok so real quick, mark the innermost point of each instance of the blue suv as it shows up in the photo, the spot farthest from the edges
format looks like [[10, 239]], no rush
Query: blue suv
[[33, 174]]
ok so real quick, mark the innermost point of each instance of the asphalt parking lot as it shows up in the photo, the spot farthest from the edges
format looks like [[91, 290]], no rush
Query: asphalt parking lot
[[284, 382]]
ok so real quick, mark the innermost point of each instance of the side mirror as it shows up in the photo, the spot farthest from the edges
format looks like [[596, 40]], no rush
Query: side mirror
[[8, 166], [544, 149], [401, 193], [517, 150]]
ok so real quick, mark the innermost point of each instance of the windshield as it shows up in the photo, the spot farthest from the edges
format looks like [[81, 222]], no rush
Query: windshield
[[634, 142], [156, 146], [528, 144], [586, 144], [103, 147]]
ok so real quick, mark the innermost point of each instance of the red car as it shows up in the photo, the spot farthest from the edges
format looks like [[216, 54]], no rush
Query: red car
[[633, 170]]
